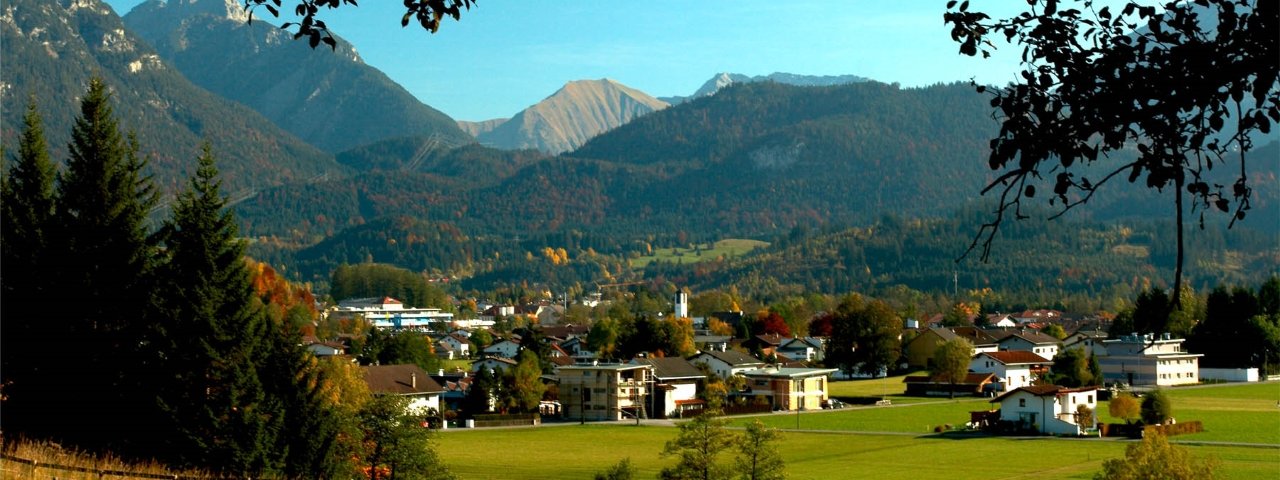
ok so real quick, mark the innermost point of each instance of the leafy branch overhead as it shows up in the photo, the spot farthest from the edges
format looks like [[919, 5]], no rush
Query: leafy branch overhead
[[1167, 93], [426, 13]]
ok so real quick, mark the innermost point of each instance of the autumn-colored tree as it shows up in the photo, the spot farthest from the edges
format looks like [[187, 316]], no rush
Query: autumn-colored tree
[[769, 322], [526, 382], [1155, 458], [1124, 406], [718, 327]]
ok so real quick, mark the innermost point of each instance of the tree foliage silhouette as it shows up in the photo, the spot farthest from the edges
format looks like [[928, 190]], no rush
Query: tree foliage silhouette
[[1185, 88], [426, 13]]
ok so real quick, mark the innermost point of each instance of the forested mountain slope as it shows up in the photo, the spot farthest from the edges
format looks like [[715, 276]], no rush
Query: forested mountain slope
[[331, 99], [52, 47]]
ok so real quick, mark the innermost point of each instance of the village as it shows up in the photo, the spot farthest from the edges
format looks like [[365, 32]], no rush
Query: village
[[1010, 362]]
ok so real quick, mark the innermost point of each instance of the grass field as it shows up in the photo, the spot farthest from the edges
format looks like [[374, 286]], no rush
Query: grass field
[[729, 248], [577, 452], [1240, 413], [1248, 413], [890, 388]]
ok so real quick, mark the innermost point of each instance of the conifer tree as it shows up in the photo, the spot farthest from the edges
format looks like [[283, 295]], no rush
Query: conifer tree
[[26, 217], [104, 259], [217, 337]]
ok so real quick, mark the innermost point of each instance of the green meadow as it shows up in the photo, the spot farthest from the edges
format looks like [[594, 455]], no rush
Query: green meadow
[[730, 247], [831, 444]]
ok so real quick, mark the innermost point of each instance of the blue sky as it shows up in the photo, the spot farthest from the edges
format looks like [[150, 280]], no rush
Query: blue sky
[[505, 55]]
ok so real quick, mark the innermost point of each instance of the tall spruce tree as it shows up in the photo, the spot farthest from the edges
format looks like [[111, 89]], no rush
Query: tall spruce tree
[[104, 259], [217, 338], [26, 217]]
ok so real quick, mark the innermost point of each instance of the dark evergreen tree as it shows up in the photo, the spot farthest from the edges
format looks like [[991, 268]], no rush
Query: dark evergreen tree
[[104, 258], [218, 338], [26, 216]]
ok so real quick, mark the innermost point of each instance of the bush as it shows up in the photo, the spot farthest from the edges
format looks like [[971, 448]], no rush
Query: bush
[[1156, 407], [1173, 429]]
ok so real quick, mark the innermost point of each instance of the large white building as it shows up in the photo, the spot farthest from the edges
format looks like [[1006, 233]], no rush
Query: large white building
[[1145, 360], [387, 312]]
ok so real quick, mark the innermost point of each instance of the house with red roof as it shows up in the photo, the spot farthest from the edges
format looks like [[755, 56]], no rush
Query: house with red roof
[[1013, 368]]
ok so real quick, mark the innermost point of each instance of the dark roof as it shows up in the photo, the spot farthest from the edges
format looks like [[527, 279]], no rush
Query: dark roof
[[733, 357], [1016, 357], [407, 379], [976, 335], [1033, 337], [1043, 391], [769, 339], [712, 338], [671, 367]]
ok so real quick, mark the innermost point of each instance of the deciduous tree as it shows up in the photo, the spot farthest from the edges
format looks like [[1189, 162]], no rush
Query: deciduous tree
[[1124, 406], [951, 362], [698, 446], [1154, 457], [758, 457], [1185, 88]]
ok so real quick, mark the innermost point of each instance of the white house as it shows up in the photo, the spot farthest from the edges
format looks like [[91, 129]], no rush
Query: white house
[[387, 312], [1013, 369], [493, 364], [807, 349], [675, 388], [1046, 346], [504, 349], [1090, 341], [458, 344], [1144, 360], [727, 364], [405, 380], [1049, 409]]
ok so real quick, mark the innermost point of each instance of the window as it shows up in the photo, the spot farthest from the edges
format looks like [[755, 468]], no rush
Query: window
[[1090, 398], [1022, 402]]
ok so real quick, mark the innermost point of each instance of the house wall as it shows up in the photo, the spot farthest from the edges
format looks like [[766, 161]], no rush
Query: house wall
[[920, 350], [423, 403], [1150, 370], [1019, 344], [504, 349], [1012, 376], [1230, 374], [791, 393], [611, 391]]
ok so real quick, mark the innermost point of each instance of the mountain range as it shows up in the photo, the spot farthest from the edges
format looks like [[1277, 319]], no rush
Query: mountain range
[[52, 48], [331, 99], [569, 117], [600, 169]]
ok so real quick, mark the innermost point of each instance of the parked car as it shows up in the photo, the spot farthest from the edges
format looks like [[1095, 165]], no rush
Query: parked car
[[832, 403]]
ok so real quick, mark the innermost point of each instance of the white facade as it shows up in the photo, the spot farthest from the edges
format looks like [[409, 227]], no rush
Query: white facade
[[682, 305], [1143, 360], [1049, 409], [504, 349], [1017, 342], [1011, 374], [387, 312]]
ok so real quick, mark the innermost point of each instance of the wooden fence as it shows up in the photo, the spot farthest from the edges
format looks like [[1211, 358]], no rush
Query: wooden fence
[[25, 468]]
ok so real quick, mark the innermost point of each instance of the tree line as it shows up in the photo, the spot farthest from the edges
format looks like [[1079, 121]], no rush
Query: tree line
[[152, 339]]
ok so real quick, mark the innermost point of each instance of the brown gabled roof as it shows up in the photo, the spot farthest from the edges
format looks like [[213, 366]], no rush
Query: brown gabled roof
[[665, 368], [1016, 357], [1033, 337], [404, 379], [1043, 391]]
